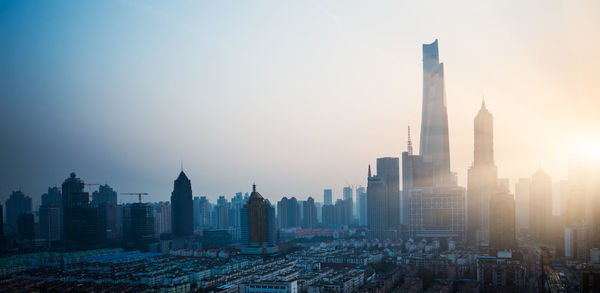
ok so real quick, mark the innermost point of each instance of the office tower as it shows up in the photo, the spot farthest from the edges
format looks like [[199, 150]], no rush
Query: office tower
[[502, 220], [162, 218], [327, 196], [376, 206], [25, 226], [540, 206], [288, 213], [104, 195], [328, 214], [482, 178], [182, 219], [309, 211], [222, 213], [138, 225], [258, 231], [50, 222], [433, 204], [53, 197], [18, 203], [348, 201], [204, 212], [361, 202], [522, 203], [73, 198], [434, 144], [319, 207], [389, 170]]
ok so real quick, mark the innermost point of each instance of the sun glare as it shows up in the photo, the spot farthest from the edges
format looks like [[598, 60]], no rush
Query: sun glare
[[586, 150]]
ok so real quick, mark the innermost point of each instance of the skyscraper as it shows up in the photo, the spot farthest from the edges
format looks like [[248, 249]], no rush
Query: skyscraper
[[434, 146], [310, 214], [433, 204], [347, 195], [105, 194], [182, 218], [502, 220], [389, 170], [376, 206], [258, 226], [361, 202], [18, 203], [50, 222], [482, 180], [540, 206], [288, 212], [522, 203], [327, 197], [138, 225]]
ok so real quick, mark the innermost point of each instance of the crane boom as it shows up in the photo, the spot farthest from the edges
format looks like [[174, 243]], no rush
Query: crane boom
[[139, 194]]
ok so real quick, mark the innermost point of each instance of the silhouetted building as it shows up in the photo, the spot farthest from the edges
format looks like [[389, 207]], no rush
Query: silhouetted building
[[50, 222], [482, 180], [540, 206], [361, 202], [138, 225], [222, 213], [502, 220], [327, 196], [389, 170], [310, 214], [105, 194], [182, 207], [53, 197], [288, 213], [376, 206], [328, 214], [347, 194], [433, 203], [258, 233], [25, 226], [18, 203], [522, 189]]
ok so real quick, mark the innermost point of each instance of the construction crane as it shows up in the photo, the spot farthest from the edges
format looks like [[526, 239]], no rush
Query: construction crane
[[139, 194]]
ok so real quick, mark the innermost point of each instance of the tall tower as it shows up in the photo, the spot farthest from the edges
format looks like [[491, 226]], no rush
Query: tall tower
[[182, 207], [540, 206], [482, 180], [434, 145]]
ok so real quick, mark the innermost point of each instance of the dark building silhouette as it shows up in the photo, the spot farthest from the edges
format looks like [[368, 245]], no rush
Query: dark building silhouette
[[482, 178], [310, 214], [54, 198], [26, 226], [50, 222], [328, 216], [258, 235], [288, 213], [18, 203], [540, 206], [222, 214], [182, 207], [138, 225], [376, 206], [105, 194], [73, 198], [327, 196], [389, 170], [502, 220]]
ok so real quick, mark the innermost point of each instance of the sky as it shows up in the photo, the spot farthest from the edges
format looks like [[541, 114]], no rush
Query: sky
[[297, 96]]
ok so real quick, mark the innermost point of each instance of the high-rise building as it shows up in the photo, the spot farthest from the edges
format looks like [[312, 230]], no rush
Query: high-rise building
[[319, 207], [328, 214], [389, 170], [204, 212], [50, 222], [309, 210], [288, 212], [222, 213], [138, 225], [540, 206], [502, 220], [361, 202], [327, 196], [376, 206], [162, 218], [104, 195], [54, 198], [433, 203], [258, 231], [482, 178], [347, 195], [18, 203], [25, 226], [583, 203], [522, 189], [182, 218], [73, 199]]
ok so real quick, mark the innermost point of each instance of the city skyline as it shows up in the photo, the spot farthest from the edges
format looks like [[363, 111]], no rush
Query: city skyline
[[91, 129]]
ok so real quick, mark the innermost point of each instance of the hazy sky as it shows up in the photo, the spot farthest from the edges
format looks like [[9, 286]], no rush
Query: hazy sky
[[297, 96]]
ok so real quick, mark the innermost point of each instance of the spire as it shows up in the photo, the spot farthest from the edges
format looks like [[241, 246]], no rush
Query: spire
[[483, 103], [409, 143], [181, 165], [369, 176], [253, 187]]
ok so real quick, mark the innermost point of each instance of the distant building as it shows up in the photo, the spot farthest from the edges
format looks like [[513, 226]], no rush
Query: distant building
[[389, 170], [26, 226], [327, 196], [288, 213], [50, 222], [138, 225], [504, 273], [361, 202], [376, 206], [18, 203], [222, 213], [522, 189], [162, 218], [502, 220], [309, 220], [540, 206], [482, 178], [347, 196], [104, 195], [258, 232], [182, 218]]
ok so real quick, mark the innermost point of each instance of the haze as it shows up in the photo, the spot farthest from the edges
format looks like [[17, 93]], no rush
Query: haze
[[296, 97]]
